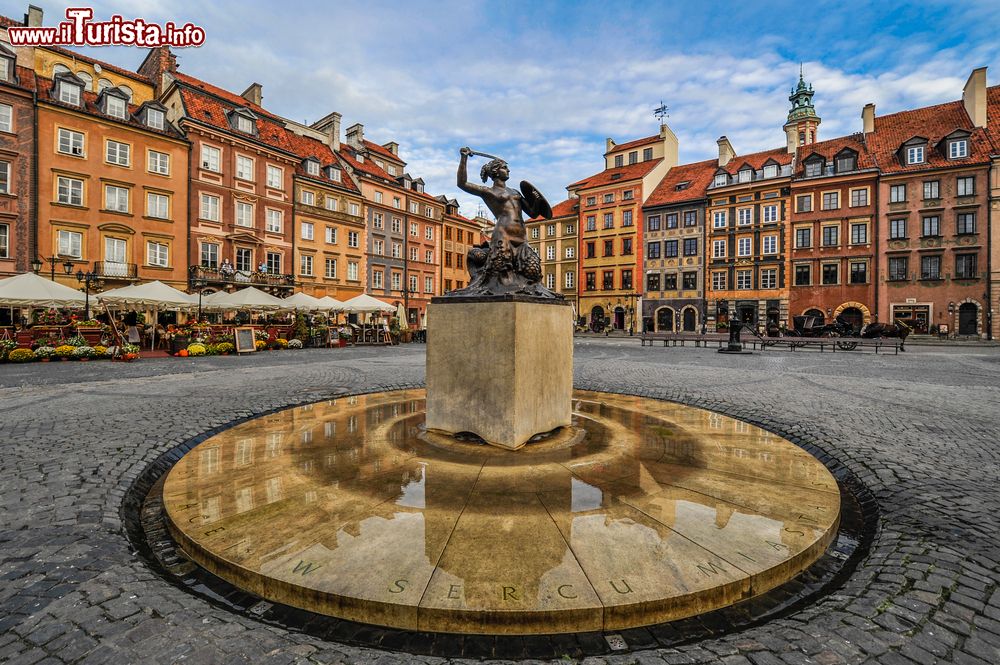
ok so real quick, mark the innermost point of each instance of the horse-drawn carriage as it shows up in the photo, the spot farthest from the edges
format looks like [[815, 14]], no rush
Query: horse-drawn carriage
[[813, 326]]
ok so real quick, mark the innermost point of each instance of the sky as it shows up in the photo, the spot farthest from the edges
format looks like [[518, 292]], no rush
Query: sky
[[542, 84]]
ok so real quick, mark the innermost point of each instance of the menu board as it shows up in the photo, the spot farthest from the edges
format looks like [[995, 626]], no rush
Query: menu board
[[245, 341]]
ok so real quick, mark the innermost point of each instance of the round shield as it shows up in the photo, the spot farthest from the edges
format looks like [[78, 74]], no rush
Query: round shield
[[537, 205]]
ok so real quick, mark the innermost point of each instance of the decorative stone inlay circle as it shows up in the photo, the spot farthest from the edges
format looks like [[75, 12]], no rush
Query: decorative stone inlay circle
[[643, 512]]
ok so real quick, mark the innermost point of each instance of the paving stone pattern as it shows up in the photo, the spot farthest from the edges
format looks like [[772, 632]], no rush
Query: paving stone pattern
[[921, 430]]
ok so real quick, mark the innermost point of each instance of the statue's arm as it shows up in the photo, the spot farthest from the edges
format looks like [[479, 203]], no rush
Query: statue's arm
[[463, 176]]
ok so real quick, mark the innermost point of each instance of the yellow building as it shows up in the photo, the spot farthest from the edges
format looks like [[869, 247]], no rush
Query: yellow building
[[556, 240], [610, 229], [460, 234]]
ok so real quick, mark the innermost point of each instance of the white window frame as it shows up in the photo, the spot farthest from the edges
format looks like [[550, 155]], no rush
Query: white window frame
[[244, 124], [744, 247], [330, 268], [274, 220], [74, 142], [71, 186], [6, 116], [69, 93], [719, 220], [307, 231], [958, 149], [915, 154], [245, 212], [744, 277], [113, 194], [568, 279], [211, 158], [70, 244], [769, 244], [210, 207], [769, 213], [306, 264], [154, 202], [115, 107], [570, 252], [769, 278], [155, 113], [117, 153], [330, 203], [158, 162], [744, 216], [718, 249], [275, 177], [353, 239], [157, 254], [771, 171], [244, 167], [428, 284], [378, 279], [428, 232], [331, 235], [307, 198], [352, 271], [4, 177]]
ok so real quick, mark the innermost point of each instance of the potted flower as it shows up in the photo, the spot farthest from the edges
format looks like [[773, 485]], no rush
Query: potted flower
[[343, 336], [6, 346], [83, 353], [64, 351], [225, 348], [45, 353], [100, 351], [91, 330], [21, 356], [77, 340], [260, 344], [295, 344], [196, 349]]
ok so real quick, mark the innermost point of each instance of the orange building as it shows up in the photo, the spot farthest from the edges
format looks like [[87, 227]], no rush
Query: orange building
[[556, 241], [460, 234]]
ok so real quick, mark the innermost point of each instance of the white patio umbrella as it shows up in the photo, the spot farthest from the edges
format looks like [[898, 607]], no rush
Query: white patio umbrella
[[365, 304], [154, 294], [401, 317], [303, 302], [249, 298], [30, 290], [331, 304]]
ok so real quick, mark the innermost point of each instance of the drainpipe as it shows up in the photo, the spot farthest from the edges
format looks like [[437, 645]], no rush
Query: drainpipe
[[876, 257], [989, 253], [33, 231]]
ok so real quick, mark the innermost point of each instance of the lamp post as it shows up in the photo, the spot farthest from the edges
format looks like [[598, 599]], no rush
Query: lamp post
[[87, 278], [36, 266], [199, 284]]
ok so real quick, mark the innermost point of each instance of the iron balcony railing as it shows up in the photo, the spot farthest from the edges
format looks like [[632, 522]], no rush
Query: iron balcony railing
[[213, 275], [115, 270]]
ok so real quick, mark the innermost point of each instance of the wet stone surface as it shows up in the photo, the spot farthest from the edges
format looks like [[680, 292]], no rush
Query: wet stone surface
[[919, 430]]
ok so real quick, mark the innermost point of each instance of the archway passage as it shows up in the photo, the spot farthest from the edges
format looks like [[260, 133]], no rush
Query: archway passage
[[664, 320], [967, 315], [690, 320], [596, 318], [854, 316]]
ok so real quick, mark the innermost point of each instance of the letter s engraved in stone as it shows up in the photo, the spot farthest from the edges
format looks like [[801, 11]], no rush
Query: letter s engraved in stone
[[399, 586]]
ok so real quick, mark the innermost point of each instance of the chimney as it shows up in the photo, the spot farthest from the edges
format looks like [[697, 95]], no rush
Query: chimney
[[726, 152], [330, 125], [33, 19], [160, 63], [356, 136], [974, 97], [254, 94], [670, 146], [609, 143], [868, 119], [392, 147]]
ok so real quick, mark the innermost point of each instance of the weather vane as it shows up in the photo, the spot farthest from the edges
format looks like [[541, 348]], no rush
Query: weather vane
[[661, 111]]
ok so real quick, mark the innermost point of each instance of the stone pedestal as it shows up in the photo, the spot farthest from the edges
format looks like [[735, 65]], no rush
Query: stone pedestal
[[501, 369]]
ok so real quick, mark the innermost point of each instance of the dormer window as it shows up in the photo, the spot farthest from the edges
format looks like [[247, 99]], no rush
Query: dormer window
[[814, 168], [745, 175], [312, 167], [419, 187], [958, 149], [244, 124], [69, 93], [720, 180], [771, 171], [333, 173], [915, 155], [360, 158], [847, 162], [391, 169], [115, 107], [6, 67], [681, 186], [379, 163], [154, 118]]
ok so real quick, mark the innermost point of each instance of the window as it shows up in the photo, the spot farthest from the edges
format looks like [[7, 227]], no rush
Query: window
[[591, 200], [244, 168], [307, 198], [653, 282], [396, 281], [771, 171], [932, 189], [932, 226], [846, 163], [115, 250], [115, 107], [965, 266], [570, 230], [719, 219], [429, 256], [966, 223], [71, 244], [69, 93], [672, 220], [718, 249], [859, 197], [831, 236], [118, 153], [627, 195], [609, 280], [569, 280], [859, 272], [570, 252], [897, 229], [378, 197], [70, 142], [930, 267], [157, 205], [591, 281], [209, 255], [244, 259], [154, 118], [814, 168], [413, 253], [210, 158], [897, 268], [210, 207], [159, 162], [633, 157], [157, 254], [244, 214], [591, 250], [770, 213], [690, 218], [897, 193], [744, 175], [831, 273], [769, 278], [743, 279], [803, 275], [550, 230], [770, 245], [915, 155], [273, 221], [803, 238], [414, 229], [355, 210], [429, 284], [274, 263], [307, 230], [689, 280], [627, 279], [378, 247], [397, 250], [609, 220], [670, 248], [244, 124], [352, 271], [609, 248], [653, 250], [6, 113], [743, 247], [831, 200], [413, 283], [116, 198], [330, 269], [330, 203], [626, 246], [627, 218], [275, 176], [958, 149], [859, 234], [414, 206], [397, 225], [720, 180], [647, 154], [550, 253], [803, 203], [609, 198], [744, 216], [428, 232], [719, 281], [352, 240], [619, 161], [306, 264], [966, 186], [690, 247]]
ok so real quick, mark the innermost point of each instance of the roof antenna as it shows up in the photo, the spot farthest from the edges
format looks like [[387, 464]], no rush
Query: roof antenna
[[661, 112]]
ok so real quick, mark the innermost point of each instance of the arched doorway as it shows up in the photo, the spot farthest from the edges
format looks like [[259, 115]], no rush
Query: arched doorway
[[818, 313], [597, 318], [619, 318], [664, 320], [967, 314], [690, 319], [853, 316]]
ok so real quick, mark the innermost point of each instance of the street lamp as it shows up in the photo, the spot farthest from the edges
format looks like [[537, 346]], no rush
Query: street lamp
[[36, 266], [199, 285], [87, 278]]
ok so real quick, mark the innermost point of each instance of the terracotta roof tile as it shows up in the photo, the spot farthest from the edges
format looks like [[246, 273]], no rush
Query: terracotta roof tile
[[756, 160], [634, 144], [229, 97], [382, 150], [567, 208], [932, 123], [105, 65], [6, 21], [623, 173], [349, 155], [832, 147], [698, 176], [304, 147], [993, 117]]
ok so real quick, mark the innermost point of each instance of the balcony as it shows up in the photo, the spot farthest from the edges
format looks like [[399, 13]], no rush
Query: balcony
[[114, 270], [217, 278]]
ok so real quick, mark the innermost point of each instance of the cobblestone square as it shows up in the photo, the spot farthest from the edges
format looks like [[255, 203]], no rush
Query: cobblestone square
[[918, 429]]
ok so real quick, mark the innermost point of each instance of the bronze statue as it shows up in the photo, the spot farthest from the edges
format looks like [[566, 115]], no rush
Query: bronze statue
[[506, 264]]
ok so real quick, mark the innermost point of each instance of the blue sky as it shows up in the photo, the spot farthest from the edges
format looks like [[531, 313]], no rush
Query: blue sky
[[543, 83]]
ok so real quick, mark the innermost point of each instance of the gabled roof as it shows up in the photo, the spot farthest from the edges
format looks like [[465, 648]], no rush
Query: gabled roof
[[310, 148], [383, 151], [933, 123], [755, 160], [368, 166], [567, 208], [829, 149], [656, 138], [698, 176], [623, 173], [232, 100]]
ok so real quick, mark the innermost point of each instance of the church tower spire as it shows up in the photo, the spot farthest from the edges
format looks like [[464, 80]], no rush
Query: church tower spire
[[802, 127]]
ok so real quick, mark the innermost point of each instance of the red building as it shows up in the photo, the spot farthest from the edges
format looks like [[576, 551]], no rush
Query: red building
[[17, 147]]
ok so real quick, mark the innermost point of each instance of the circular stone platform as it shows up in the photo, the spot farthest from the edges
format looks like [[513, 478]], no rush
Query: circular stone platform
[[642, 512]]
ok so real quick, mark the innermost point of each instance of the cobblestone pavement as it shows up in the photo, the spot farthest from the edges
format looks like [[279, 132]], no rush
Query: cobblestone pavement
[[920, 429]]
